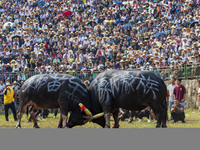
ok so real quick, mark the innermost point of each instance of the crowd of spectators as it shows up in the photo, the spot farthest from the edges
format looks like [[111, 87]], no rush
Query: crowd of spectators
[[50, 36]]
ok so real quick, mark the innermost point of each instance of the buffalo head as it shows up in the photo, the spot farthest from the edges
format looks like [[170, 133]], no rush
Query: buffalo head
[[83, 115]]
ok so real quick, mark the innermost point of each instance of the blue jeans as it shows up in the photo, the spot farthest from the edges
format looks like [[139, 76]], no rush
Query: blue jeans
[[170, 107]]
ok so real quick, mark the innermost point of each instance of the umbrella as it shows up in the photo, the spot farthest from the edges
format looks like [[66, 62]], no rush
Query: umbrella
[[177, 29], [90, 23], [41, 2], [117, 2], [160, 34], [67, 13], [60, 16], [131, 21], [186, 24], [194, 4], [6, 24], [17, 36], [128, 38], [127, 25], [193, 24]]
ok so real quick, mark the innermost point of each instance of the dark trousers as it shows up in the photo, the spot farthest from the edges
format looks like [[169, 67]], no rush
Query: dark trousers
[[45, 113], [55, 112], [178, 117], [12, 107]]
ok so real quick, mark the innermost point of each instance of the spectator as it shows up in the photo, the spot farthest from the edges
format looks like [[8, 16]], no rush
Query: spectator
[[123, 114], [2, 87], [180, 92], [16, 88], [177, 112], [9, 101], [144, 111], [87, 83], [170, 89]]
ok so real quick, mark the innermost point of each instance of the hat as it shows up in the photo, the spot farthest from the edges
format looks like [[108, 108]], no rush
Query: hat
[[86, 82], [8, 84], [15, 82]]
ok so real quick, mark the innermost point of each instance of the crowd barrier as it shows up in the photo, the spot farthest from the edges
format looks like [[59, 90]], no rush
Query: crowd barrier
[[184, 72]]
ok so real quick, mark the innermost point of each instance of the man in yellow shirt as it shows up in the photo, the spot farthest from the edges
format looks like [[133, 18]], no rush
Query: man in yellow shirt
[[9, 101]]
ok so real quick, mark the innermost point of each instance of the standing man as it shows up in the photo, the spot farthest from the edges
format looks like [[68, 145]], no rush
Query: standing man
[[180, 92], [198, 93], [9, 101], [16, 89], [170, 89], [2, 86]]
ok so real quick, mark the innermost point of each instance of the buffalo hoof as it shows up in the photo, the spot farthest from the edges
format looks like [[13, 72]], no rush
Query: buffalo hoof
[[115, 126], [164, 126], [158, 126], [29, 121], [36, 126], [60, 126], [17, 127]]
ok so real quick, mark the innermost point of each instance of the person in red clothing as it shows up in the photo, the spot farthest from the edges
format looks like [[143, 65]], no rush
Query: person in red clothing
[[180, 92]]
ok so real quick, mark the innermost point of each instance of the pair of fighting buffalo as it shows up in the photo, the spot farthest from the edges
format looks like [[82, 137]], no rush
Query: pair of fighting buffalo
[[109, 91]]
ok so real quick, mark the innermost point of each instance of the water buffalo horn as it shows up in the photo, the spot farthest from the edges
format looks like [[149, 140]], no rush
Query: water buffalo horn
[[97, 116], [82, 107], [87, 117]]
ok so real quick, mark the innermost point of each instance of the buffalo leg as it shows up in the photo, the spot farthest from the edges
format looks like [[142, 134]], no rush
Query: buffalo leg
[[63, 110], [115, 116], [158, 112], [107, 118], [29, 110], [60, 124], [164, 115], [21, 111], [64, 118], [35, 125]]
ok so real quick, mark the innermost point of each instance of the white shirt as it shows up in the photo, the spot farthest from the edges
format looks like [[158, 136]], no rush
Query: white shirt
[[170, 88], [1, 88], [198, 90]]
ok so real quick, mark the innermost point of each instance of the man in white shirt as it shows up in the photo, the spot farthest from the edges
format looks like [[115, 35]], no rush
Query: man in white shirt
[[170, 89], [2, 86]]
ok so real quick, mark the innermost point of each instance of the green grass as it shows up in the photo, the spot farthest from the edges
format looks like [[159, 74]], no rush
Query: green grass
[[192, 119]]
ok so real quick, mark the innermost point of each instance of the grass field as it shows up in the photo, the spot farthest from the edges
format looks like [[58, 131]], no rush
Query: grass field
[[192, 119]]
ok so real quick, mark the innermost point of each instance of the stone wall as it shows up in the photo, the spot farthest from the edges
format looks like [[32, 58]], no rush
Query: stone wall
[[191, 100]]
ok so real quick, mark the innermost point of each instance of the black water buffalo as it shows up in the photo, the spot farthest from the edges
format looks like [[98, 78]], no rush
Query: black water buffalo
[[55, 91], [129, 90]]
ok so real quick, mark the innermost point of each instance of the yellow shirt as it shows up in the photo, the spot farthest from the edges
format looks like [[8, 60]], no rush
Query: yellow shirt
[[9, 96]]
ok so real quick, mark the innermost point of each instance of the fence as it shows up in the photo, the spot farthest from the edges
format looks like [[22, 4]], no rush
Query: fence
[[184, 72]]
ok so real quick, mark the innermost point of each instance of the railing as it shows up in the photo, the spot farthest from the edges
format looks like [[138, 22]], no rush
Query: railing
[[184, 72]]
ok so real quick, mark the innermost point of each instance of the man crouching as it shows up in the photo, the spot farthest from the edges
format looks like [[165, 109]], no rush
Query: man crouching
[[177, 112]]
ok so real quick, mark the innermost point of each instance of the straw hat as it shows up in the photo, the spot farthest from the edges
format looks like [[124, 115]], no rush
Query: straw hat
[[15, 82], [87, 82], [8, 84]]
